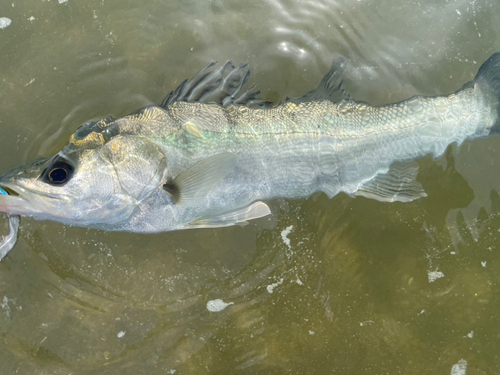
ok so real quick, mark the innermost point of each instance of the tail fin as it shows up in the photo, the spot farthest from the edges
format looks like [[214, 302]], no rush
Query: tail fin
[[489, 74]]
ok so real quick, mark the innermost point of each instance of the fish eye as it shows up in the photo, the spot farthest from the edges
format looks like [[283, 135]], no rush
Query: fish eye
[[58, 175], [58, 172]]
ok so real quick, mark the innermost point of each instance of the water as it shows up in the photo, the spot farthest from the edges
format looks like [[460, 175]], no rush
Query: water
[[347, 286]]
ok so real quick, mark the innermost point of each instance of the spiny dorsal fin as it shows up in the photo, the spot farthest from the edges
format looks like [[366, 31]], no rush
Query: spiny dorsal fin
[[191, 186], [330, 88], [223, 86]]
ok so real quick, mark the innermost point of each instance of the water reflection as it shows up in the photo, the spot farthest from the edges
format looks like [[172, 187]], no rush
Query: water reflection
[[341, 285]]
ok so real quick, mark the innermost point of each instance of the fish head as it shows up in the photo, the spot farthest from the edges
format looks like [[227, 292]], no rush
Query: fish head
[[86, 183], [78, 190]]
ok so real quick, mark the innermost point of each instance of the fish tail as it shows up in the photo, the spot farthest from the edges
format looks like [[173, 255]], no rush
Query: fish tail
[[489, 74]]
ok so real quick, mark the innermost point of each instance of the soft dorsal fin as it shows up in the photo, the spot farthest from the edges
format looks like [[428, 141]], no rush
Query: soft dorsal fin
[[330, 88], [191, 186], [223, 86]]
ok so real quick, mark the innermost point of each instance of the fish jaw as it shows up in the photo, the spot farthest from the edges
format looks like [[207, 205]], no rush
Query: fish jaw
[[15, 200], [44, 206]]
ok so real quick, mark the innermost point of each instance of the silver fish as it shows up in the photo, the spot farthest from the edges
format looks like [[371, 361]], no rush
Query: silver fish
[[212, 153]]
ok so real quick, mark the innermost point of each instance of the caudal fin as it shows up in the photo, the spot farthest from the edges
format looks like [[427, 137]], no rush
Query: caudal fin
[[489, 74]]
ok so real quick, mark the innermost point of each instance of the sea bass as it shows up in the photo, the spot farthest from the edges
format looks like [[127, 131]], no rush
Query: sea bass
[[212, 153]]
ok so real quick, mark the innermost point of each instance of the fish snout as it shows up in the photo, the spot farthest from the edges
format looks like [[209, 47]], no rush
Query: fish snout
[[12, 201], [5, 190]]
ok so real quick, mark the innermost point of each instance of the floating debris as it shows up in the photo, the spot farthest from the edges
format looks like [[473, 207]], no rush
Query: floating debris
[[4, 22], [217, 305]]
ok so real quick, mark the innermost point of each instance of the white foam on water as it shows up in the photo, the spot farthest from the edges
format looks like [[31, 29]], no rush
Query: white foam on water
[[284, 235], [63, 1], [121, 334], [434, 275], [6, 307], [4, 22], [217, 305], [459, 368], [270, 287]]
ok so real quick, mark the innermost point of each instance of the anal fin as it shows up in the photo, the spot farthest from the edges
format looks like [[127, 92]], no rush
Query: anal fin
[[237, 217], [398, 184]]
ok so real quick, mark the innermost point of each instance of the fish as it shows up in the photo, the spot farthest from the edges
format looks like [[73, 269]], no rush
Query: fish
[[213, 153]]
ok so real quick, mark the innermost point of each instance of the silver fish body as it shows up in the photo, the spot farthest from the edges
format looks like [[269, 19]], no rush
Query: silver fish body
[[211, 159], [295, 150]]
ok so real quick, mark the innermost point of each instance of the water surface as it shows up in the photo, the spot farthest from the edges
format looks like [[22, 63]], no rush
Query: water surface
[[347, 286]]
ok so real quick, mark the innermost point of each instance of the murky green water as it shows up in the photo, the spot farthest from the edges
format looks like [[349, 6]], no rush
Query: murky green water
[[346, 286]]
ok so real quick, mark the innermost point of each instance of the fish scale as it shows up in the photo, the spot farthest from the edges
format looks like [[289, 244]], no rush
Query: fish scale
[[213, 153]]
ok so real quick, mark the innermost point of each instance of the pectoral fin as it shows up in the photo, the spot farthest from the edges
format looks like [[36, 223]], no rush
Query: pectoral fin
[[191, 186], [399, 184], [236, 217]]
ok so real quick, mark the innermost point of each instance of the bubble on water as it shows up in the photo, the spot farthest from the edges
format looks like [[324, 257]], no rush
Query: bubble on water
[[459, 368], [4, 22], [284, 235], [217, 305], [5, 305], [270, 287], [434, 275]]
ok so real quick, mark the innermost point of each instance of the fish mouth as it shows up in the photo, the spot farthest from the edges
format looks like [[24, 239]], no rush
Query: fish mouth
[[5, 190], [17, 200], [12, 200]]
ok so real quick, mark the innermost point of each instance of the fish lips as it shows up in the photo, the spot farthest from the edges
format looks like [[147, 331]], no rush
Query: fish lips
[[13, 200]]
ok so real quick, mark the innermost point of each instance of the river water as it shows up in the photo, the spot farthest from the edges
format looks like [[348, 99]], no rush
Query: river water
[[344, 286]]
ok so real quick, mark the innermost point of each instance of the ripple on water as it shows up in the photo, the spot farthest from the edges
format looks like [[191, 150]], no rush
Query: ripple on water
[[337, 285]]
